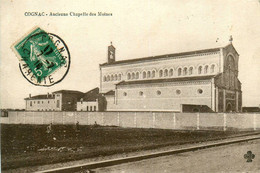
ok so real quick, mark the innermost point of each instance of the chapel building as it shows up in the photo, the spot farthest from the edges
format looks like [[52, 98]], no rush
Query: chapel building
[[188, 81]]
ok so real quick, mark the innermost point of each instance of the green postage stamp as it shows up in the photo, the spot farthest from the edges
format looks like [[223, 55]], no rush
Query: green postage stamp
[[44, 57]]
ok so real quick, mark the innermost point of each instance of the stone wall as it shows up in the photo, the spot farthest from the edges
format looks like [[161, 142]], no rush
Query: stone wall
[[160, 120]]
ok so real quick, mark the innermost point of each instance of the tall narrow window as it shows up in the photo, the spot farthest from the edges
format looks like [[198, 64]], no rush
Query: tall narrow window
[[108, 78], [153, 74], [30, 103], [112, 77], [137, 75], [179, 71], [104, 79], [160, 73], [94, 108], [199, 70], [206, 69], [115, 76], [128, 76], [133, 75], [119, 77], [212, 68], [90, 108], [190, 70], [58, 103], [87, 108], [185, 71], [148, 74], [165, 73], [171, 72], [144, 75]]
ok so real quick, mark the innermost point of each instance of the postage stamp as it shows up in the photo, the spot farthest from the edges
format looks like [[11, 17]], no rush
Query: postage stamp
[[44, 57]]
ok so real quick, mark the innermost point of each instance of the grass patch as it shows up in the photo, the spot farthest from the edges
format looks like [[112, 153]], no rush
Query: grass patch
[[30, 145]]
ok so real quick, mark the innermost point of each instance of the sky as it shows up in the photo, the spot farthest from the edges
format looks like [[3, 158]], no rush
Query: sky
[[137, 28]]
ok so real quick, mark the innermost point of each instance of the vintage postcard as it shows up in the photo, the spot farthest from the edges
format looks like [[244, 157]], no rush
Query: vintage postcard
[[130, 86]]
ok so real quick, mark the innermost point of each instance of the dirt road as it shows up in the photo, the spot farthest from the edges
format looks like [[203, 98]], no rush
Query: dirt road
[[229, 158]]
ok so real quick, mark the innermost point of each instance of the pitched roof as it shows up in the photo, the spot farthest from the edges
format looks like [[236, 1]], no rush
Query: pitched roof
[[42, 96], [111, 92], [164, 56], [91, 95], [167, 80], [68, 92], [50, 96]]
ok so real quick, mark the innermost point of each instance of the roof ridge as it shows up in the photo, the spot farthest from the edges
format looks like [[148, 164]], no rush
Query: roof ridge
[[185, 53]]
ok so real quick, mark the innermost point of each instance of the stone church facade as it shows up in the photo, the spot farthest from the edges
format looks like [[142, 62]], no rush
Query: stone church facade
[[202, 78]]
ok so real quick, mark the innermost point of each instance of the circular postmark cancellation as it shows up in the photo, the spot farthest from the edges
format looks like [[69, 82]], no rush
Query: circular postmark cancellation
[[44, 58]]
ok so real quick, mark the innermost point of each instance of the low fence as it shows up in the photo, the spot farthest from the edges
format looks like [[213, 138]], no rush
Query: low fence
[[162, 120]]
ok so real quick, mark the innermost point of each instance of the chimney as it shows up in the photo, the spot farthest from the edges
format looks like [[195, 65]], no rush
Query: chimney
[[30, 96], [111, 53]]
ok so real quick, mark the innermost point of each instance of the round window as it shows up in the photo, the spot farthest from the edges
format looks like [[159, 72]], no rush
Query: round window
[[178, 92], [125, 94], [159, 92], [141, 93], [200, 91]]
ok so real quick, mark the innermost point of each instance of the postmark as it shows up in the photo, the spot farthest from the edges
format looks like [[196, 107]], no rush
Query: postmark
[[44, 58]]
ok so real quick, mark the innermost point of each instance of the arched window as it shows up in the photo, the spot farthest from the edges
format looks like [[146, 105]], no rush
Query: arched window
[[200, 70], [206, 69], [104, 79], [212, 68], [165, 72], [148, 74], [112, 77], [144, 75], [185, 71], [179, 71], [160, 73], [153, 74], [108, 78], [133, 75], [119, 77], [171, 72], [115, 76], [128, 76], [137, 75], [190, 70]]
